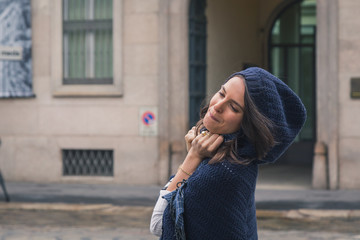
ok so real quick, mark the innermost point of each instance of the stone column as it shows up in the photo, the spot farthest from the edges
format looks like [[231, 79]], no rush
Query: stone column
[[173, 84], [327, 84]]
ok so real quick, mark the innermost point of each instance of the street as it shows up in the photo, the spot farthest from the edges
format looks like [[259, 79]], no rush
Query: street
[[131, 223]]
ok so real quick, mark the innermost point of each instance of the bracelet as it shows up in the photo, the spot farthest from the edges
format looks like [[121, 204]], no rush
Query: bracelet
[[180, 167]]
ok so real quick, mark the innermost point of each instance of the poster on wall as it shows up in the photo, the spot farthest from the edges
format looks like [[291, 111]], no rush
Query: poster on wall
[[15, 49]]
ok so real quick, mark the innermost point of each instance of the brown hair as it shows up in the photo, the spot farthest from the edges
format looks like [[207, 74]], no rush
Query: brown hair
[[256, 127]]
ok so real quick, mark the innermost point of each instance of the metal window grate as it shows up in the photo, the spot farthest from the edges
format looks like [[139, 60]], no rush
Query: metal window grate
[[80, 162]]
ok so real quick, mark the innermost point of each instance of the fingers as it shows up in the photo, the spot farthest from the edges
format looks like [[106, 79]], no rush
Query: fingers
[[216, 143], [189, 137], [206, 144], [192, 130], [212, 142]]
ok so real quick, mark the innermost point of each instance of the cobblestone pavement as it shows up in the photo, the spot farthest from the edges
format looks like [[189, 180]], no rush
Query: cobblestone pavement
[[131, 223], [309, 229], [82, 233], [303, 235]]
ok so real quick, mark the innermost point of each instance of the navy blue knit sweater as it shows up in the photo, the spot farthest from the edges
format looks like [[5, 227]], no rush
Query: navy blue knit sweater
[[219, 200]]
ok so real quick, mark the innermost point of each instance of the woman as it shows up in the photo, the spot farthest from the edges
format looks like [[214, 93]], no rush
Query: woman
[[251, 120]]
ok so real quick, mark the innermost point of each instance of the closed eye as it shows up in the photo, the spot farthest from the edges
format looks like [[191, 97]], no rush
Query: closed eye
[[236, 103], [231, 106], [234, 109]]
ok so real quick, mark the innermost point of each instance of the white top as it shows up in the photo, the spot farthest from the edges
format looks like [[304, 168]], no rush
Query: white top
[[157, 215]]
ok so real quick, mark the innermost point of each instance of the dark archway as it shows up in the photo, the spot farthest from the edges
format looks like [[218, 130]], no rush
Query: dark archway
[[291, 57]]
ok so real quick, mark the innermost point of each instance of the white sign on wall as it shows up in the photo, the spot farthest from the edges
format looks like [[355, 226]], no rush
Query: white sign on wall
[[11, 53], [148, 118]]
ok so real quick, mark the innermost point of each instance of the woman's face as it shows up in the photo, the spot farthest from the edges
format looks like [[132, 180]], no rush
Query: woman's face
[[226, 108]]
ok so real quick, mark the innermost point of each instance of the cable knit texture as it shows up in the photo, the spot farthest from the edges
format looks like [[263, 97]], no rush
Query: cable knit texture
[[219, 200]]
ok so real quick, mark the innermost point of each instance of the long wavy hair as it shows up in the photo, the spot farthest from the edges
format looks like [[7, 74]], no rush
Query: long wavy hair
[[257, 128]]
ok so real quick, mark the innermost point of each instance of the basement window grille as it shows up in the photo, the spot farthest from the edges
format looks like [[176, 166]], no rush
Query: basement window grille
[[82, 162]]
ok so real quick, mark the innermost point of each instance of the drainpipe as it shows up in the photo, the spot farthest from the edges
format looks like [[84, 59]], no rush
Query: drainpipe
[[320, 166]]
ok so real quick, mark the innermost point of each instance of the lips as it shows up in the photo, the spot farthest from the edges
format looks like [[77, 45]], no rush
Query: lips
[[213, 118]]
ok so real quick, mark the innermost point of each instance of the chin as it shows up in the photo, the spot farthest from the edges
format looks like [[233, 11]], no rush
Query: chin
[[210, 127], [207, 125]]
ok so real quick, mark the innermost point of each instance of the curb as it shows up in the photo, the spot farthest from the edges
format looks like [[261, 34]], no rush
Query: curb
[[299, 214], [102, 208], [303, 214], [53, 206]]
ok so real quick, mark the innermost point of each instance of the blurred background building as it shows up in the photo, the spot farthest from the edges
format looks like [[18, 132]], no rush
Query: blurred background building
[[105, 90]]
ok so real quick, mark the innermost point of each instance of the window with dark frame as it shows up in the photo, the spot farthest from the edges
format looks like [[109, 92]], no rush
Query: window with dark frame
[[87, 42], [197, 58], [292, 49]]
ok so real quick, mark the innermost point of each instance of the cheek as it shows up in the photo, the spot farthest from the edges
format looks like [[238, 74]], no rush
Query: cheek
[[213, 100], [235, 121]]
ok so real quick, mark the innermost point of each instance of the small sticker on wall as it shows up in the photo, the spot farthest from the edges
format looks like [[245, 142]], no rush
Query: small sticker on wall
[[148, 121]]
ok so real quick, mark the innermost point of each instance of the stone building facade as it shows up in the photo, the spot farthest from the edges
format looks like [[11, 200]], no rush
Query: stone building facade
[[150, 62]]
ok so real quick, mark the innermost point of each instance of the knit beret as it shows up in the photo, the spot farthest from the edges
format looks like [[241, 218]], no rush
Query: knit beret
[[275, 100]]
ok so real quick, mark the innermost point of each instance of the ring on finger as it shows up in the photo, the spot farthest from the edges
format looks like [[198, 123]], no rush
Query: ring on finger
[[204, 133]]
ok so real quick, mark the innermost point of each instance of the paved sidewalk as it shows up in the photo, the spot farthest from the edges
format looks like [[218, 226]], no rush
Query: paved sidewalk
[[287, 208], [288, 197], [279, 187], [57, 221], [125, 195], [79, 193], [111, 211]]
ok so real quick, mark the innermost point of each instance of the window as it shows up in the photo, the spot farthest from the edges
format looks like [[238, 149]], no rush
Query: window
[[87, 48], [87, 42], [197, 58]]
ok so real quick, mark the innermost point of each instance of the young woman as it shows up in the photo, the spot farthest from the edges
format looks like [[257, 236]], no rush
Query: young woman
[[251, 120]]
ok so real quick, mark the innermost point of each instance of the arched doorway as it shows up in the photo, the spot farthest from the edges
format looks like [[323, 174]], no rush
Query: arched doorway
[[197, 58], [292, 58]]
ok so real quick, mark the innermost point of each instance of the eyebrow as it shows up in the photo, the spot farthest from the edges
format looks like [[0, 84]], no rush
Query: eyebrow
[[223, 88]]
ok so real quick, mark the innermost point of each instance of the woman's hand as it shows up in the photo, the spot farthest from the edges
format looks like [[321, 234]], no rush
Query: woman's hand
[[202, 146], [205, 145], [189, 137]]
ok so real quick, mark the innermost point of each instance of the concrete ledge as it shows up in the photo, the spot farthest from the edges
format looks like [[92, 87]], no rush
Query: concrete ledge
[[52, 206], [270, 213], [113, 209], [309, 214], [104, 208]]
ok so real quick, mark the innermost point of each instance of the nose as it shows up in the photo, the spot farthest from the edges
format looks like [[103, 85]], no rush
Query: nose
[[218, 107]]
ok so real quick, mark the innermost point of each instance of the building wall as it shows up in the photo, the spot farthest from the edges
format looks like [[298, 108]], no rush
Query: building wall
[[153, 57], [233, 39], [337, 46], [349, 109], [33, 131], [236, 35], [337, 114]]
